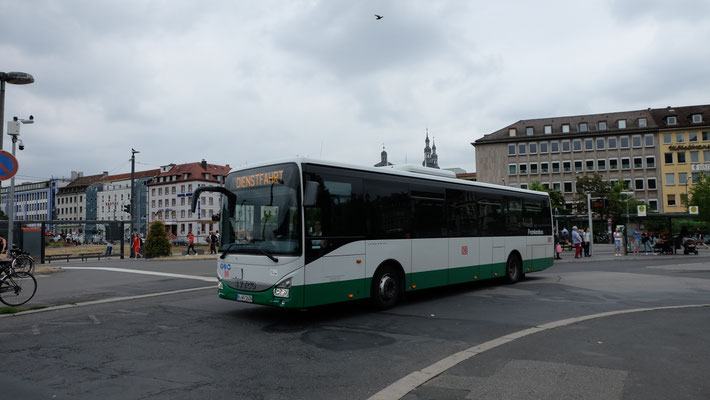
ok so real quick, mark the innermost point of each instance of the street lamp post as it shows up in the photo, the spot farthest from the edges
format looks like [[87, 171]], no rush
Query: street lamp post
[[15, 78], [626, 229], [13, 129]]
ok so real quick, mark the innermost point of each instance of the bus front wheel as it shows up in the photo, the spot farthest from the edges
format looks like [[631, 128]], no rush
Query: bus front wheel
[[386, 288], [514, 269]]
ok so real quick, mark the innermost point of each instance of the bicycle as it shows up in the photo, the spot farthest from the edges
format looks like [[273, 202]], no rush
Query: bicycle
[[22, 261], [16, 287]]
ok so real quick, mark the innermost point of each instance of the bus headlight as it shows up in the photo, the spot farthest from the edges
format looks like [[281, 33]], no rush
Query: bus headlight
[[283, 289]]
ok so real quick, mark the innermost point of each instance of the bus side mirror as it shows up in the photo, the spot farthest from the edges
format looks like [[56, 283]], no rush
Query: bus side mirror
[[310, 193]]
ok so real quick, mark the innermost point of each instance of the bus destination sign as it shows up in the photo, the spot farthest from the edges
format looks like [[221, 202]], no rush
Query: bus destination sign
[[260, 179]]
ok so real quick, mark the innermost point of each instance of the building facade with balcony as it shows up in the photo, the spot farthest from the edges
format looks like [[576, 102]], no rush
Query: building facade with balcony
[[170, 197]]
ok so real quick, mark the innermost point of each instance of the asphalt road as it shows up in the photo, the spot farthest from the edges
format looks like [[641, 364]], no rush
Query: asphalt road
[[485, 340]]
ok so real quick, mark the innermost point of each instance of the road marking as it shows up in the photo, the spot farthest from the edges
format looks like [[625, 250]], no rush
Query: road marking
[[155, 273], [402, 387], [104, 301]]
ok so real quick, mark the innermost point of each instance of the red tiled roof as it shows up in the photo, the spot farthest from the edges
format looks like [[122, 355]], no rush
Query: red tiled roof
[[195, 172], [136, 175]]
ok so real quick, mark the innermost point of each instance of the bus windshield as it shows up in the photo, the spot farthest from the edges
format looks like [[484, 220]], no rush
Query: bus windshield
[[266, 217]]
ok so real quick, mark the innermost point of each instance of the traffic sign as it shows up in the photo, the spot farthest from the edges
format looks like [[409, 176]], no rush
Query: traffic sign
[[8, 165]]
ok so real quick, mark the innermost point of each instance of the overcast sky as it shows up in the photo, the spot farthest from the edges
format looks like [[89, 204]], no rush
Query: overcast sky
[[237, 82]]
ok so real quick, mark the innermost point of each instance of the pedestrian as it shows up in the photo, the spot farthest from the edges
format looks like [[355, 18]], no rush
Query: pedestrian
[[617, 242], [213, 243], [557, 248], [646, 242], [109, 248], [3, 244], [190, 243], [137, 245], [577, 242], [637, 241], [587, 237]]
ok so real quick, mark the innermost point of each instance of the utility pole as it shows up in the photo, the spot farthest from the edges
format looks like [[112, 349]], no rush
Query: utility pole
[[133, 189]]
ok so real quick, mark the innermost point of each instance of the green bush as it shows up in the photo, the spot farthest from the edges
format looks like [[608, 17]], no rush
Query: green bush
[[157, 243]]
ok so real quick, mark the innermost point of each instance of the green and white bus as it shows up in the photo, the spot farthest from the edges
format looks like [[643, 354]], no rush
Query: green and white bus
[[303, 232]]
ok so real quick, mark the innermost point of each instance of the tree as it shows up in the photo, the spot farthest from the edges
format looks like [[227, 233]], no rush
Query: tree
[[557, 199], [700, 197], [157, 243], [616, 203]]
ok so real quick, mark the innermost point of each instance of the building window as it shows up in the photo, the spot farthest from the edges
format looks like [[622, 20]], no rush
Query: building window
[[568, 187], [650, 161], [680, 156], [589, 144], [182, 187], [554, 147], [565, 128], [555, 166], [638, 162], [612, 143], [557, 186], [566, 146], [533, 168], [650, 141], [621, 124], [625, 163], [544, 167], [636, 141], [546, 186], [523, 169], [682, 178], [651, 183], [601, 143], [577, 145], [706, 136], [532, 148], [511, 132], [548, 129], [543, 147], [680, 138], [693, 137], [511, 152], [671, 199], [642, 122], [512, 169], [694, 157], [578, 166], [668, 158], [696, 118], [583, 127], [624, 142], [567, 166], [627, 184], [671, 120], [694, 177], [601, 165], [522, 149], [670, 179], [601, 125], [523, 185], [638, 184], [653, 205], [152, 192], [589, 165], [529, 131], [706, 156], [667, 138]]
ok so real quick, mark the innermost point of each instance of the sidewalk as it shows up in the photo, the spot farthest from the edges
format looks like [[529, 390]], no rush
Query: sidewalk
[[605, 252]]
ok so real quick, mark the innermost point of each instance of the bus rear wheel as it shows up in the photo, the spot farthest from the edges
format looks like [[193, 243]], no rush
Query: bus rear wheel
[[386, 288], [514, 269]]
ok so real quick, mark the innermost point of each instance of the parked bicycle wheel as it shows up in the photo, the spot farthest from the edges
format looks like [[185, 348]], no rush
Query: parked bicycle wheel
[[24, 263], [17, 288]]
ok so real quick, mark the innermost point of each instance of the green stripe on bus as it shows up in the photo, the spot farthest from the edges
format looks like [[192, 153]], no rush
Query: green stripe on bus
[[341, 291]]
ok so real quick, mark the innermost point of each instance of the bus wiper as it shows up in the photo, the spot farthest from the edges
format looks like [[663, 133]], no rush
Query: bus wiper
[[224, 254], [271, 257]]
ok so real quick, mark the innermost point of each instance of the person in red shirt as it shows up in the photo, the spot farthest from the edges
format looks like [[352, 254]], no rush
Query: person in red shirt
[[137, 246], [190, 243]]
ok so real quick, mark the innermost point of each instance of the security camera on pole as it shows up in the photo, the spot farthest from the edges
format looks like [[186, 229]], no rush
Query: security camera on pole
[[13, 129]]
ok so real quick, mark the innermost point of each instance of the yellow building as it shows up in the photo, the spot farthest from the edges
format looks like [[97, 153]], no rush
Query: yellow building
[[684, 140]]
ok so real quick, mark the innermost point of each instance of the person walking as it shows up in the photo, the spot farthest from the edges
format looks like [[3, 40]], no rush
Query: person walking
[[190, 243], [646, 242], [617, 242], [213, 243], [577, 242], [587, 237], [137, 246], [558, 248]]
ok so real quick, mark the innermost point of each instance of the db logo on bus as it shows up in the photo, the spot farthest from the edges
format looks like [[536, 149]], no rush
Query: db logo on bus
[[225, 267]]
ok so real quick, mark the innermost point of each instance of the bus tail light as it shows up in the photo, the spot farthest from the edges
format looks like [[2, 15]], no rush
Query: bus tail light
[[283, 289]]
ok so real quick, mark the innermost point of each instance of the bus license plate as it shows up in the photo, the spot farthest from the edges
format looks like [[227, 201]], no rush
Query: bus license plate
[[245, 298]]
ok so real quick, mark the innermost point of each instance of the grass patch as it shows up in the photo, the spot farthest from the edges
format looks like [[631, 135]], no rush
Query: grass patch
[[9, 310]]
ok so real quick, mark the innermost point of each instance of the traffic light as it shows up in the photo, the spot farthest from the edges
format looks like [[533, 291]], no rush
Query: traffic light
[[127, 208]]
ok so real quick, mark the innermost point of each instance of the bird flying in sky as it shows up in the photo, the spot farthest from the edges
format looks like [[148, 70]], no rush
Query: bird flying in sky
[[378, 16]]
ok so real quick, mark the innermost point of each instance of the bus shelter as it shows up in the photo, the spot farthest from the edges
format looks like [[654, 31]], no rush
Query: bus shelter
[[667, 218]]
